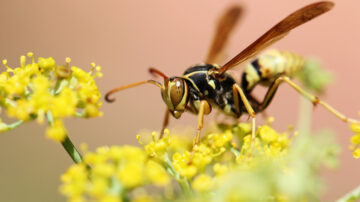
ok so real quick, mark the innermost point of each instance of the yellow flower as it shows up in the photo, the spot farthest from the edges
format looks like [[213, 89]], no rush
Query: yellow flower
[[356, 153], [46, 63], [220, 169], [201, 156], [157, 147], [355, 127], [56, 131], [219, 140], [111, 171], [355, 140], [215, 169], [92, 110], [131, 174], [44, 90], [110, 198], [202, 183], [183, 165], [157, 174], [64, 104], [267, 134], [74, 181], [189, 164], [99, 187], [22, 109]]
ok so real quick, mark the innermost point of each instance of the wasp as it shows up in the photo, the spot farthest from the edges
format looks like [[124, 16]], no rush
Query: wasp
[[207, 85]]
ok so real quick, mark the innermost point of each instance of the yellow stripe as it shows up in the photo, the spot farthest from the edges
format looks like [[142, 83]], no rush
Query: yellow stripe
[[191, 74]]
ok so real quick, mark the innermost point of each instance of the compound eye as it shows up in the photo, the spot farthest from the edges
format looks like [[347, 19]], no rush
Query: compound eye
[[177, 91]]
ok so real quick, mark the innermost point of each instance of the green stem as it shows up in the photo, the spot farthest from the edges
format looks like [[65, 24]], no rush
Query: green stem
[[71, 150], [66, 143], [80, 114], [57, 84], [183, 182], [352, 196], [304, 121], [13, 125], [185, 187]]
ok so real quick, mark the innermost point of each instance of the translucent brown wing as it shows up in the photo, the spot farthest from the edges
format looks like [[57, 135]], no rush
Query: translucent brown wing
[[277, 32], [224, 27]]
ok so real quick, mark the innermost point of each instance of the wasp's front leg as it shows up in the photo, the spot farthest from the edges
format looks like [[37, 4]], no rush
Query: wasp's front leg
[[203, 108], [238, 91], [165, 123]]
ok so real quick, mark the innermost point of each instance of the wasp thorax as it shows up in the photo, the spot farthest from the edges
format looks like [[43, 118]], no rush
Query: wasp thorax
[[174, 94]]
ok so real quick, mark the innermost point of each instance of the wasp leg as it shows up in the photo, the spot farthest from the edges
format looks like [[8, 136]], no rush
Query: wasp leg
[[165, 123], [204, 108], [315, 100], [260, 107], [255, 103], [236, 89]]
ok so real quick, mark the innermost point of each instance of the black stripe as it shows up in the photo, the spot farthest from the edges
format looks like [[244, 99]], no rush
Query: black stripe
[[256, 66], [196, 68], [244, 82]]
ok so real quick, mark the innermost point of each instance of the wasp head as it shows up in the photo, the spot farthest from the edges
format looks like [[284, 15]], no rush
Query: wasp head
[[174, 93]]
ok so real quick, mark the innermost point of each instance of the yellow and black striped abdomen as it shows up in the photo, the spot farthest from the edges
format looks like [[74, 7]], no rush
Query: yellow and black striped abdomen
[[270, 65]]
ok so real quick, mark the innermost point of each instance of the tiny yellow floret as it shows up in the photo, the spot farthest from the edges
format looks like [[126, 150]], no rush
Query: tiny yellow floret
[[56, 131], [202, 183]]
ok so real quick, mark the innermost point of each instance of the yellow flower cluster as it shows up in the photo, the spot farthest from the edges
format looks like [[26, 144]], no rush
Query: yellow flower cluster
[[156, 148], [269, 143], [225, 166], [45, 90], [232, 145], [355, 140], [109, 174], [220, 152], [189, 163]]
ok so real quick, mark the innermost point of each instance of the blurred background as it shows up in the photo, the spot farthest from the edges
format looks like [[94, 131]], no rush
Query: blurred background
[[126, 37]]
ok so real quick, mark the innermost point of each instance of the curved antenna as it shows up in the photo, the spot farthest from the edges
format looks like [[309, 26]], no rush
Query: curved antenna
[[156, 72], [107, 95]]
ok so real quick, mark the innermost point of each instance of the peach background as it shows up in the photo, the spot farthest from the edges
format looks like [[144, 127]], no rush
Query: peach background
[[126, 37]]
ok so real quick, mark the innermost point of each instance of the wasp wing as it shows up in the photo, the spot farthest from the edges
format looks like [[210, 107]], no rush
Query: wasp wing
[[277, 32], [224, 27]]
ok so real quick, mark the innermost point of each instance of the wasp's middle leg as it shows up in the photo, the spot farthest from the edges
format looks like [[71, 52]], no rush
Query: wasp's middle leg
[[238, 91]]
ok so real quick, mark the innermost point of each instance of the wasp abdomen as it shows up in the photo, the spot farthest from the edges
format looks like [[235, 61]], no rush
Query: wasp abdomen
[[268, 66]]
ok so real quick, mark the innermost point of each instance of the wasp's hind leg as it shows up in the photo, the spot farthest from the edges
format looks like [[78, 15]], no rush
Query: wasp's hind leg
[[238, 91], [255, 103], [315, 100]]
